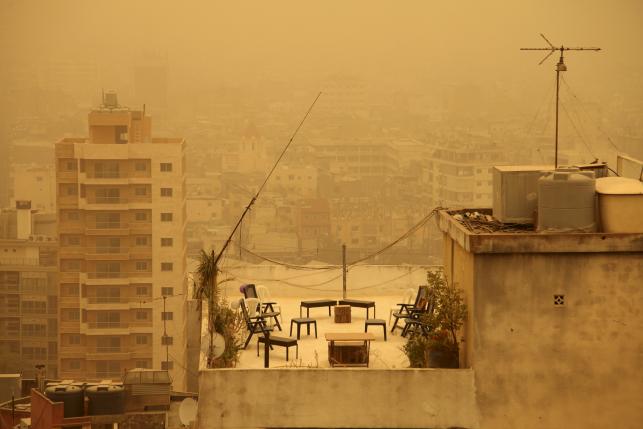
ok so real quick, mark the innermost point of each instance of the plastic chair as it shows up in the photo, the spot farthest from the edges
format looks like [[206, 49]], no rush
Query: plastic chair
[[267, 303]]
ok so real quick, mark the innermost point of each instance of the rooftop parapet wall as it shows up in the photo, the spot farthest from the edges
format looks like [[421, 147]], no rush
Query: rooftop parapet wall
[[348, 398], [538, 242]]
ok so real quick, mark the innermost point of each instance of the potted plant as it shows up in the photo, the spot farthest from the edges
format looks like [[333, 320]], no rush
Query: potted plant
[[437, 345], [222, 320]]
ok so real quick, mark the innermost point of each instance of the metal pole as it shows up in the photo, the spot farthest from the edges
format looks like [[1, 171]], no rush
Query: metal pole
[[266, 349], [556, 140], [343, 271]]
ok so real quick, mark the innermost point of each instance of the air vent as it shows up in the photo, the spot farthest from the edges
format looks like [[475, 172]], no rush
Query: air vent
[[559, 300]]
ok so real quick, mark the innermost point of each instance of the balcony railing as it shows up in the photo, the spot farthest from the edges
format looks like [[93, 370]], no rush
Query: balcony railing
[[100, 349], [119, 275], [112, 300], [19, 261], [107, 325], [106, 250], [110, 225], [106, 200]]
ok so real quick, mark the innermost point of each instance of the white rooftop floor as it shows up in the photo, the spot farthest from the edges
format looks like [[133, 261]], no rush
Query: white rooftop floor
[[314, 351]]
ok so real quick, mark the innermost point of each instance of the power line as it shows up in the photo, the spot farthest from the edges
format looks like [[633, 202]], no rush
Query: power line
[[286, 264], [407, 234]]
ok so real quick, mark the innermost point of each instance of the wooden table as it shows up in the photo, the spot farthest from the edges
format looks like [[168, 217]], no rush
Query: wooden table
[[349, 348]]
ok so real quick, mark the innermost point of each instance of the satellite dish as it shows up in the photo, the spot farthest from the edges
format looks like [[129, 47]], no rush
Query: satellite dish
[[218, 343], [187, 411]]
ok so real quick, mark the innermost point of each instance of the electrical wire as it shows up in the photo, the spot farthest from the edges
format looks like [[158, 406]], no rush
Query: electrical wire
[[407, 234], [286, 264]]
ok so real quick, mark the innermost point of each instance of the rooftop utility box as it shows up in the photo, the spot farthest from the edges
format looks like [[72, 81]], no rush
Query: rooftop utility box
[[599, 169], [515, 192]]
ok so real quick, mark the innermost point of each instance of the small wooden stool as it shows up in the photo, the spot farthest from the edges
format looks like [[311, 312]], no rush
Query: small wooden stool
[[342, 313], [376, 322], [303, 320]]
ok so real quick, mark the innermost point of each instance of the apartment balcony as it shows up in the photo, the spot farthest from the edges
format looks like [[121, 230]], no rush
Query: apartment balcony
[[69, 327], [9, 335], [72, 351], [105, 328], [140, 228], [68, 302], [94, 202], [70, 228], [142, 353], [106, 303], [4, 261], [72, 252], [108, 228], [108, 353], [66, 177], [69, 277], [141, 252], [67, 202], [141, 327], [117, 278], [107, 254], [105, 179]]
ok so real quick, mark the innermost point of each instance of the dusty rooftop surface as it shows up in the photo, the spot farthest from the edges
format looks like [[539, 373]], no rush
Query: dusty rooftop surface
[[314, 351]]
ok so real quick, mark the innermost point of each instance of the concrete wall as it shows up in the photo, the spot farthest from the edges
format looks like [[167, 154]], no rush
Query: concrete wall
[[296, 397], [559, 367], [540, 365], [362, 280]]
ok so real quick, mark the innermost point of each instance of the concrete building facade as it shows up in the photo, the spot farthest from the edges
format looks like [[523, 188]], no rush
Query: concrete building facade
[[28, 295], [121, 208]]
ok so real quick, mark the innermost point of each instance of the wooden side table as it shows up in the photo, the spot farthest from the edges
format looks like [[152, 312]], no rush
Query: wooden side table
[[342, 313]]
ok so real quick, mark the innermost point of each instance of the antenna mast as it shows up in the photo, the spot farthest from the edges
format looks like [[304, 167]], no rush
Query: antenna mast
[[560, 67]]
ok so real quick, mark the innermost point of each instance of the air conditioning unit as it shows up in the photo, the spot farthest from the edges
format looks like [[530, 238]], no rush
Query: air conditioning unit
[[515, 192]]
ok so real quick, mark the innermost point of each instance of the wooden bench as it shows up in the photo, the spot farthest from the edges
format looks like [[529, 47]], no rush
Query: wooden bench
[[280, 341], [360, 304], [316, 303]]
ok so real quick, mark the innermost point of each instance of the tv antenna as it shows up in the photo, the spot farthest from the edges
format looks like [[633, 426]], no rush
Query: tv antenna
[[560, 67]]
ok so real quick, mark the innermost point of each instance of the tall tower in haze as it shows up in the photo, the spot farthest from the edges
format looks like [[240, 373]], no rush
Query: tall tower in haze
[[121, 210]]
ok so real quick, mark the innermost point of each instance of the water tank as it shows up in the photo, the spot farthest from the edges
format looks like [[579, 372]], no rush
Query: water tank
[[71, 396], [567, 201], [620, 202], [106, 399]]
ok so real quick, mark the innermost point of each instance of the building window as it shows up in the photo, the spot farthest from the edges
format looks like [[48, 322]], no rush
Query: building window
[[142, 291], [72, 215], [141, 266], [70, 166], [71, 190], [141, 340], [73, 240], [167, 315], [142, 364], [167, 291], [167, 340], [167, 242], [140, 166], [166, 166], [74, 364], [142, 241], [73, 314], [140, 191], [140, 216], [167, 266], [141, 315], [166, 192], [167, 365], [166, 217]]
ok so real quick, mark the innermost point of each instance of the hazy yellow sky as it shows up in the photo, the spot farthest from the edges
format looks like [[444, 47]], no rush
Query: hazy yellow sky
[[401, 44]]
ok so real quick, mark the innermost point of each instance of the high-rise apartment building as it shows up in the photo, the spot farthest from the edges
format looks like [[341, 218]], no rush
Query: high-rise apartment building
[[28, 292], [121, 208]]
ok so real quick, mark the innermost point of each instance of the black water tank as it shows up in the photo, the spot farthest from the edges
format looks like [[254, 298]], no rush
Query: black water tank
[[71, 396], [106, 399]]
